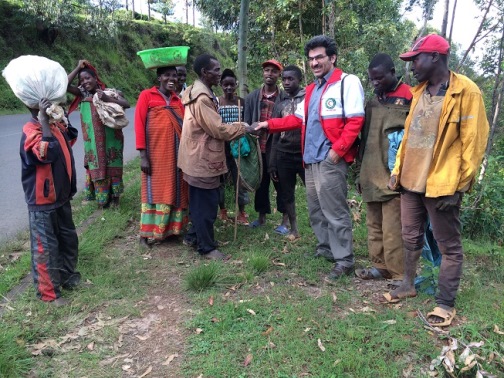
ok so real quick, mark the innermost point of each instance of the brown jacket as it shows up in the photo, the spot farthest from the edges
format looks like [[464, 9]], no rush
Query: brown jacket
[[201, 152]]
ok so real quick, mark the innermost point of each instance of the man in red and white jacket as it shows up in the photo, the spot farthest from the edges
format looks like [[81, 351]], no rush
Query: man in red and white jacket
[[330, 117]]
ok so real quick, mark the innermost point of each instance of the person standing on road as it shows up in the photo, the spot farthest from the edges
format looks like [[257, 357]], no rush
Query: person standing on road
[[158, 129], [201, 155], [330, 117], [103, 146], [444, 142], [49, 183], [385, 116]]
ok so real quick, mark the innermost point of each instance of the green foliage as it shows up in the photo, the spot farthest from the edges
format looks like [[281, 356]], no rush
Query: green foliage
[[202, 277], [14, 359], [114, 57], [483, 208]]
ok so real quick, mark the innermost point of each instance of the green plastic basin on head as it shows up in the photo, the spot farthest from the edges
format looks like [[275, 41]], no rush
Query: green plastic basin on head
[[164, 56]]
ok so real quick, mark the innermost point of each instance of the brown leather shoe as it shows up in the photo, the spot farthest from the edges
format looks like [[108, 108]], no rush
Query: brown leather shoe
[[339, 271]]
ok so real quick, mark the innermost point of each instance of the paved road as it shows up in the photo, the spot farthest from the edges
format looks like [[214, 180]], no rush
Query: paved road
[[14, 215]]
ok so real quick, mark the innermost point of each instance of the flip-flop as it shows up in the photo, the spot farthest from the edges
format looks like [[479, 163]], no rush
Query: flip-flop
[[281, 230], [372, 274], [388, 298], [255, 224], [440, 312]]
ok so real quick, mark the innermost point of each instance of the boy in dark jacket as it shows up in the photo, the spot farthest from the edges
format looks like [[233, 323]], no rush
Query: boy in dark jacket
[[286, 159], [49, 183]]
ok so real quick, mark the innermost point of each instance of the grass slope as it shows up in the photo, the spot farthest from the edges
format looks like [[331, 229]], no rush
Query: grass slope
[[268, 312], [114, 58]]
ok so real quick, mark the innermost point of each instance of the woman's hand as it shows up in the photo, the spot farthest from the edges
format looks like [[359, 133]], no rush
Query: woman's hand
[[145, 163], [82, 63]]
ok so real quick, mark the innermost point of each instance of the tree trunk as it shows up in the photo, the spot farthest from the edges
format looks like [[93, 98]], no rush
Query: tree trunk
[[452, 21], [475, 36], [242, 47], [301, 36], [126, 5], [133, 9], [497, 99], [444, 25], [331, 19], [148, 10], [194, 13], [187, 12], [323, 18]]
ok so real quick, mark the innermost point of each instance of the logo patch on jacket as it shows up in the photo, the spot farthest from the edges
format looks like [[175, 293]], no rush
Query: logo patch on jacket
[[330, 103]]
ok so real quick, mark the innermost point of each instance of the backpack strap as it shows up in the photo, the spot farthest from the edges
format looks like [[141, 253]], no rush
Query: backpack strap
[[343, 100]]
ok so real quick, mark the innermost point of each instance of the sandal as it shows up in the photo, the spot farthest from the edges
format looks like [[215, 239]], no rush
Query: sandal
[[446, 315], [373, 274], [255, 224], [281, 230], [389, 298]]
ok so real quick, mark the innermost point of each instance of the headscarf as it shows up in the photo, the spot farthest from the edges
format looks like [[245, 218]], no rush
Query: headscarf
[[76, 101]]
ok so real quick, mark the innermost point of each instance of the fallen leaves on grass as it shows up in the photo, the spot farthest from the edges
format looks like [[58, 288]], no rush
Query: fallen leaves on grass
[[248, 360], [268, 331], [149, 369], [198, 331], [64, 344], [210, 300], [251, 312], [142, 338], [391, 321], [497, 331], [278, 263], [466, 362], [170, 359], [320, 345]]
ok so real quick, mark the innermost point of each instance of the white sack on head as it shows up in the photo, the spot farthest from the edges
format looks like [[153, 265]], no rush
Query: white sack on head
[[34, 77]]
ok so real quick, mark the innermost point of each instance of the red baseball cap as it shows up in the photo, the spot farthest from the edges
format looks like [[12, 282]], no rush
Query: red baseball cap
[[273, 62], [427, 44]]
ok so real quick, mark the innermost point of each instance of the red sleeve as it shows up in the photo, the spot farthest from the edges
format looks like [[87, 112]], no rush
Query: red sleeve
[[142, 107], [290, 122]]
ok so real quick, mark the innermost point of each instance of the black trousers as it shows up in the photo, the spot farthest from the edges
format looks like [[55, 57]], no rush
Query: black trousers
[[203, 205], [289, 167], [262, 195]]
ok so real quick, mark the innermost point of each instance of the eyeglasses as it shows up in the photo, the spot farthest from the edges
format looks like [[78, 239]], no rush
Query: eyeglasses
[[318, 58]]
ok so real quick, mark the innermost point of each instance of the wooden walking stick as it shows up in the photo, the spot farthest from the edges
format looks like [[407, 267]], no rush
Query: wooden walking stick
[[237, 210]]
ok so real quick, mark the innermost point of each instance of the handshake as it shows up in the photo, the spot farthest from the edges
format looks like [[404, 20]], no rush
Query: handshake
[[255, 128]]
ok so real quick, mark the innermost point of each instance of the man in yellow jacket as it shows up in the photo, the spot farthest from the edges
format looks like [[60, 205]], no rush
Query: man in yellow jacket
[[444, 141]]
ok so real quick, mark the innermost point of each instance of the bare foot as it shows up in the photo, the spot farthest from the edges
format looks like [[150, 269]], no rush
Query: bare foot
[[404, 291], [401, 292]]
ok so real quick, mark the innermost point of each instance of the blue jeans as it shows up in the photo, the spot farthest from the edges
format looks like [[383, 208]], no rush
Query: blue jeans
[[326, 193], [203, 204]]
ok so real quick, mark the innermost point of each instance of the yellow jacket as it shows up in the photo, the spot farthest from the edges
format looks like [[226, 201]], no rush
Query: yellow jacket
[[461, 141]]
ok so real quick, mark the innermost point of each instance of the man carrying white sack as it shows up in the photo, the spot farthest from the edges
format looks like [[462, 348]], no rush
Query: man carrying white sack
[[48, 177]]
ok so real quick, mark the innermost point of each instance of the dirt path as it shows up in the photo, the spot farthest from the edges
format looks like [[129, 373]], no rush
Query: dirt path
[[154, 343]]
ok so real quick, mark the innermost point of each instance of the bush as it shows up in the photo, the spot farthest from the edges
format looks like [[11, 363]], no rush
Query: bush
[[483, 209]]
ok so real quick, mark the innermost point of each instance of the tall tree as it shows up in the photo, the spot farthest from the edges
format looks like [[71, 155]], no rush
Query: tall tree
[[444, 25], [242, 47]]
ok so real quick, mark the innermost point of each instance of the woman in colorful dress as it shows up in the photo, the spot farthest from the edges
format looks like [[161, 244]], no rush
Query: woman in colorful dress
[[230, 107], [158, 126], [103, 146]]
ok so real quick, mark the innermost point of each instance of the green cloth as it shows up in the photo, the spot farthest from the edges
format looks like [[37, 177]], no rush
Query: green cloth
[[103, 146], [250, 166]]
